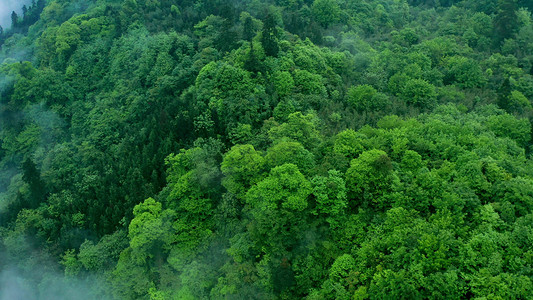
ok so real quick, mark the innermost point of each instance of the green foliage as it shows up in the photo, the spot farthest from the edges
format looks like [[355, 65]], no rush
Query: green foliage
[[369, 177], [308, 83], [326, 12], [299, 127], [365, 97], [148, 230], [67, 38], [276, 206], [278, 190], [419, 92], [32, 177], [330, 193], [269, 36], [349, 143], [516, 102], [290, 152], [267, 150], [284, 83], [342, 277], [465, 72], [505, 21], [242, 167], [508, 126]]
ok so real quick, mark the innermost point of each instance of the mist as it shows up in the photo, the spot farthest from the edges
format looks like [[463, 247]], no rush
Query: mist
[[7, 6], [29, 272], [51, 285]]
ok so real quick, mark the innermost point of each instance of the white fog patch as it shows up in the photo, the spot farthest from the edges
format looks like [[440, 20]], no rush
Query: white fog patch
[[8, 6]]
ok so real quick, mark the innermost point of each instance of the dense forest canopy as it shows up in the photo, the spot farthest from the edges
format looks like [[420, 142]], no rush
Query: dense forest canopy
[[274, 149]]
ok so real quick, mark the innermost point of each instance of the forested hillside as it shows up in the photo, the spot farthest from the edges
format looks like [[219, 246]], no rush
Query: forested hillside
[[267, 149]]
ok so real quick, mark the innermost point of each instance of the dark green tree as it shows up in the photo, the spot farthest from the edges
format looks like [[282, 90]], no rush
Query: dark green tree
[[269, 39], [505, 21], [251, 63], [526, 3], [504, 91], [248, 30], [227, 38], [32, 176], [14, 20]]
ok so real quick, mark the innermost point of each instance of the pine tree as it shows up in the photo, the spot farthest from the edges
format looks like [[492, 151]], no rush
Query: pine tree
[[25, 15], [32, 177], [41, 4], [269, 40], [227, 37], [252, 64], [248, 32], [503, 94], [505, 21], [527, 4], [14, 19]]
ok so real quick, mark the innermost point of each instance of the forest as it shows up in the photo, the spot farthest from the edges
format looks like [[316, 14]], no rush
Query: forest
[[267, 149]]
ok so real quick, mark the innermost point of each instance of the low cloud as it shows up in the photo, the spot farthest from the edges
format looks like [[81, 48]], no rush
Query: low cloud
[[15, 285], [8, 6]]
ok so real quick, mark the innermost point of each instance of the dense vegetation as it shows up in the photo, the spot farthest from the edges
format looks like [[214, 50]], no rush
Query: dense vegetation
[[288, 149]]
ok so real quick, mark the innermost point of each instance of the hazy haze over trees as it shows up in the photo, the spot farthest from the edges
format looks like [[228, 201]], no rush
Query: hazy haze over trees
[[7, 7], [326, 149]]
